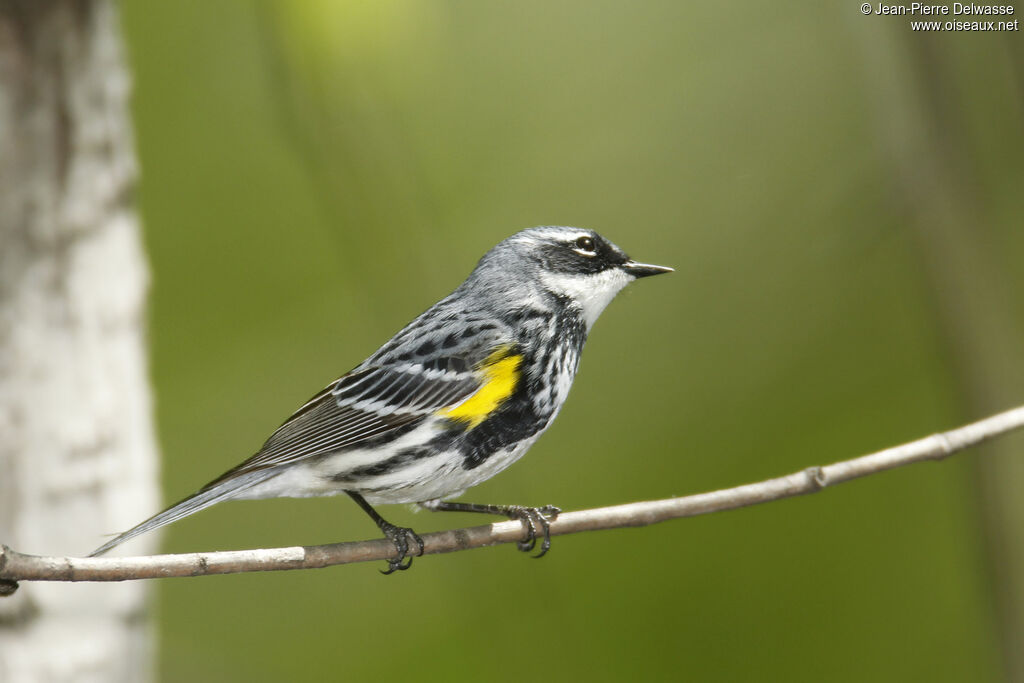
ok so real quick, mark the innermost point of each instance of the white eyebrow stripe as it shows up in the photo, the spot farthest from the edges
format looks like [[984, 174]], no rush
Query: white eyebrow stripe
[[560, 235]]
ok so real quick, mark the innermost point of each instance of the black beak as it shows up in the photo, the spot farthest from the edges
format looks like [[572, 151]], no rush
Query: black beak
[[644, 269]]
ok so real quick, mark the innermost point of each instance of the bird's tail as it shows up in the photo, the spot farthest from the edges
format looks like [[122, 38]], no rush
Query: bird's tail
[[217, 492]]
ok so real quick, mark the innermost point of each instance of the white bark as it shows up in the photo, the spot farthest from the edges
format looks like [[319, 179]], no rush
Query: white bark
[[78, 454]]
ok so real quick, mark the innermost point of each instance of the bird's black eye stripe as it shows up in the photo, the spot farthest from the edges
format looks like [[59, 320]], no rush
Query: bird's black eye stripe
[[586, 243]]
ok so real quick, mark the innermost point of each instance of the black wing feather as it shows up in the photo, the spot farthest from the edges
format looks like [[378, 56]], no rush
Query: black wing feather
[[356, 407]]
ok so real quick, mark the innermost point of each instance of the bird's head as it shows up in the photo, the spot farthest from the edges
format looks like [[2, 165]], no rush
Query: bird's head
[[573, 264]]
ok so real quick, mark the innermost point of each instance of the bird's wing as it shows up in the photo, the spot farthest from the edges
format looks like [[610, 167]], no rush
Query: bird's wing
[[366, 403]]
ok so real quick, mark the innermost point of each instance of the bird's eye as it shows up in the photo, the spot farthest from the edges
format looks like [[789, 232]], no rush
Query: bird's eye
[[586, 244]]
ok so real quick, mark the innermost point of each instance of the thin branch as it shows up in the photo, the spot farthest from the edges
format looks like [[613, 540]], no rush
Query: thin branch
[[15, 566]]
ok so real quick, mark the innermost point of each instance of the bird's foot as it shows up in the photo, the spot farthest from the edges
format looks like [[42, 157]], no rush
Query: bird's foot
[[536, 520], [402, 537]]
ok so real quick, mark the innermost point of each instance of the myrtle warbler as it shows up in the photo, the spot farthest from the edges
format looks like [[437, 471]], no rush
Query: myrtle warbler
[[454, 398]]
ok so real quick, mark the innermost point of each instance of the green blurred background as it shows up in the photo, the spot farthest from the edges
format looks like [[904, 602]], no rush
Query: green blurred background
[[841, 198]]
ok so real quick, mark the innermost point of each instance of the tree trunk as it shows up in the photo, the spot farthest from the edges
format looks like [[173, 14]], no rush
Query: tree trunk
[[78, 454]]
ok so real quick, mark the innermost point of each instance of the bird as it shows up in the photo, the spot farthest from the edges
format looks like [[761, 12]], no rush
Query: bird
[[455, 397]]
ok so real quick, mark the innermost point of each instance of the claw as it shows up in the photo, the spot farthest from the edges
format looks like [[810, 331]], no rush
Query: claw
[[397, 565], [550, 511], [546, 514], [530, 542], [532, 518], [400, 535], [545, 544]]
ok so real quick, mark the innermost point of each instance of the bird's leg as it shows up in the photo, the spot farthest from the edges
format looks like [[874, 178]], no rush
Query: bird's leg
[[531, 517], [399, 535]]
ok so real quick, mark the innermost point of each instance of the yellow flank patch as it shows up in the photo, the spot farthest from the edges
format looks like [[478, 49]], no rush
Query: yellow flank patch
[[501, 373]]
